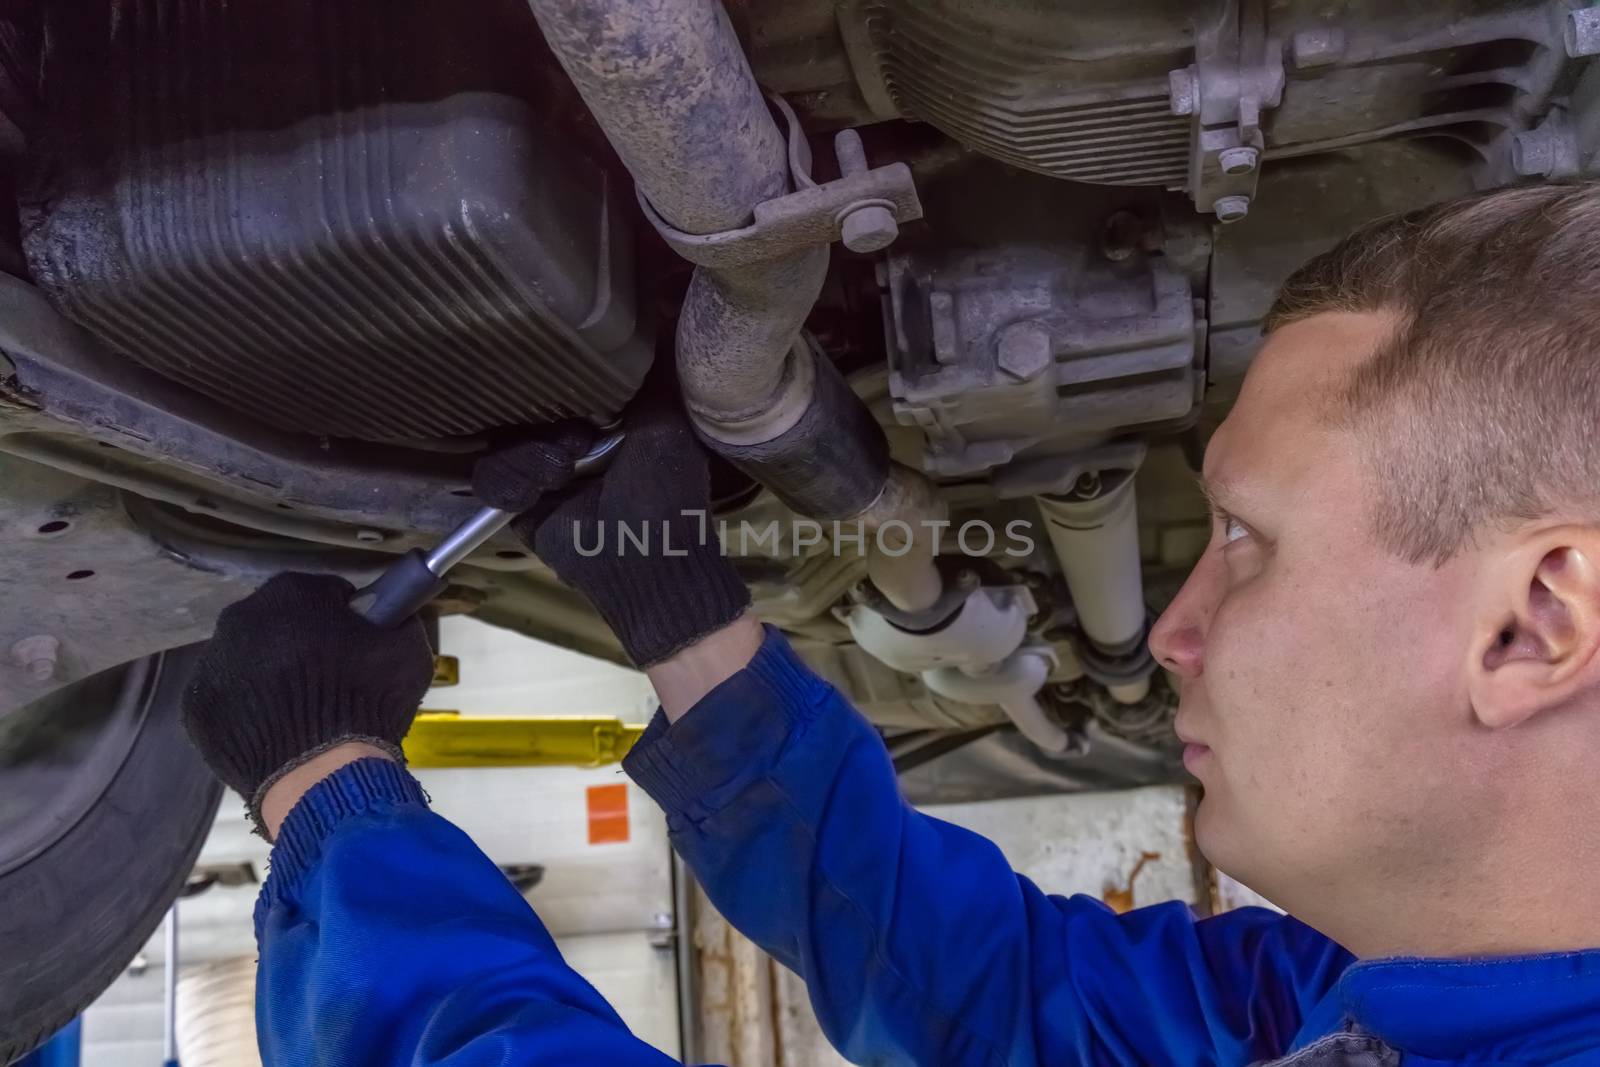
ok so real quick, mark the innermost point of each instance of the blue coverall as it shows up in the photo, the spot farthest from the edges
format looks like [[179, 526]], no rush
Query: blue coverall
[[387, 937]]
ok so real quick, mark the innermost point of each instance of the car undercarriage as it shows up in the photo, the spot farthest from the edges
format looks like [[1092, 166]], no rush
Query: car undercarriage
[[276, 274]]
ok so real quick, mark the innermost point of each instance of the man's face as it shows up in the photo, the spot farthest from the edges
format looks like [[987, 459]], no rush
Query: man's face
[[1323, 689]]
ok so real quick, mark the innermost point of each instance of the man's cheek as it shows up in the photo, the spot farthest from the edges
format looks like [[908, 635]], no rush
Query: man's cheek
[[1238, 649], [1256, 685]]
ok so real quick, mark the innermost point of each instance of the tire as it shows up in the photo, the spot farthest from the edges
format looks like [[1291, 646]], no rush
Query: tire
[[103, 807]]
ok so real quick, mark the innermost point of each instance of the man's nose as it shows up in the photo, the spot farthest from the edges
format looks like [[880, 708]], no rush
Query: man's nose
[[1178, 638], [1180, 649]]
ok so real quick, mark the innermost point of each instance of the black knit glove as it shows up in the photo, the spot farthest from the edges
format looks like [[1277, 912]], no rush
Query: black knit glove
[[291, 672], [659, 599]]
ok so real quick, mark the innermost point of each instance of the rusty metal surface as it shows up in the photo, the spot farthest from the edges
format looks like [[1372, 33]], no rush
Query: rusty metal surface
[[669, 84]]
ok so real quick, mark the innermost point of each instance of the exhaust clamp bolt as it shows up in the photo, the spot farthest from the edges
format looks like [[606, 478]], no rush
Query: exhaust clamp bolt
[[869, 229], [869, 226]]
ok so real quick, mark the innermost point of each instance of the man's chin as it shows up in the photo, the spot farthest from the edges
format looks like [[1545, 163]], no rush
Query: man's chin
[[1220, 840], [1211, 834]]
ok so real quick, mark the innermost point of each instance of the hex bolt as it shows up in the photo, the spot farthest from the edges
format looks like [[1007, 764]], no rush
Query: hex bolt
[[871, 227], [1023, 350], [1182, 91], [37, 655], [1582, 32], [1241, 160], [1231, 208]]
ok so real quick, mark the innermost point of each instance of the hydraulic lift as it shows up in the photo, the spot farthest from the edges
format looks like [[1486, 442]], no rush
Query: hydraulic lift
[[450, 739]]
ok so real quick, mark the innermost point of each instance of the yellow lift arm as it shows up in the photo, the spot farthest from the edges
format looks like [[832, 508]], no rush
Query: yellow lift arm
[[450, 739]]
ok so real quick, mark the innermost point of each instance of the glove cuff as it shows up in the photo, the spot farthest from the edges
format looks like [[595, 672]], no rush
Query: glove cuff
[[253, 802]]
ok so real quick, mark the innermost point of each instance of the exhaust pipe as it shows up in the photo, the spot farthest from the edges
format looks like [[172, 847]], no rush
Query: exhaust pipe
[[669, 83]]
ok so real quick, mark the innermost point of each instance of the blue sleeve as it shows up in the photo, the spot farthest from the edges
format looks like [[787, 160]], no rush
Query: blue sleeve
[[386, 937], [916, 940]]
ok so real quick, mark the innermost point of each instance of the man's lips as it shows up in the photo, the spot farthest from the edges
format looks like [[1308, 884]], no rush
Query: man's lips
[[1194, 750], [1186, 731]]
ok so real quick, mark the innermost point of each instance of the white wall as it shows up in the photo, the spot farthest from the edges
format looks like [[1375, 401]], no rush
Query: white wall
[[1090, 842], [504, 673]]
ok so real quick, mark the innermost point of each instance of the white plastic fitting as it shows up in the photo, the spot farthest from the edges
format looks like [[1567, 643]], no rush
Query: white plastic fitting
[[989, 627], [977, 658], [1014, 685]]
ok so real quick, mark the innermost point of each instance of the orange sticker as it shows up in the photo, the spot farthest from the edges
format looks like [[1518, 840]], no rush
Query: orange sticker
[[608, 814]]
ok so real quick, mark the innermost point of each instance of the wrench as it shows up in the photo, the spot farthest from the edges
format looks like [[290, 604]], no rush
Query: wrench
[[417, 577]]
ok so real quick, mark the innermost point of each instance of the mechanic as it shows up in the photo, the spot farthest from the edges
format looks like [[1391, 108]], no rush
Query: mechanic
[[1390, 662]]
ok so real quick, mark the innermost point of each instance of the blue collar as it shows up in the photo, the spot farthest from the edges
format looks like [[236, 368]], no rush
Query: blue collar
[[1514, 1008]]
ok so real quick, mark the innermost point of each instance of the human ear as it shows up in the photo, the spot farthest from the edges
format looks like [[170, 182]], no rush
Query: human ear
[[1537, 637]]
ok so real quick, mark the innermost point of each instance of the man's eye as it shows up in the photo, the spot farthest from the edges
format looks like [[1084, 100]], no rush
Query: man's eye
[[1233, 530]]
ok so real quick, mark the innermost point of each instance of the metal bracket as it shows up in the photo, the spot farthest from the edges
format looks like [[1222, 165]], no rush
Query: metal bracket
[[811, 215], [1057, 475], [1237, 74]]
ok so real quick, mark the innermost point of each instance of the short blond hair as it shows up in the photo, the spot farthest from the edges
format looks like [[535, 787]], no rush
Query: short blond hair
[[1483, 404]]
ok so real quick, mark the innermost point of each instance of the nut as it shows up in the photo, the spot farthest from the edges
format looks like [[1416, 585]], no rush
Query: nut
[[1231, 208], [1023, 350], [37, 655], [1548, 151], [1183, 91], [1241, 160], [1582, 32], [869, 229], [1317, 48]]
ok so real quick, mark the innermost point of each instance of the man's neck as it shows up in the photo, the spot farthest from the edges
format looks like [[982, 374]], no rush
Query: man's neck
[[1518, 906]]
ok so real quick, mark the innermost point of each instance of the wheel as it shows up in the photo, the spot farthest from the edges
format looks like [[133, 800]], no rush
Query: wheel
[[103, 808]]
